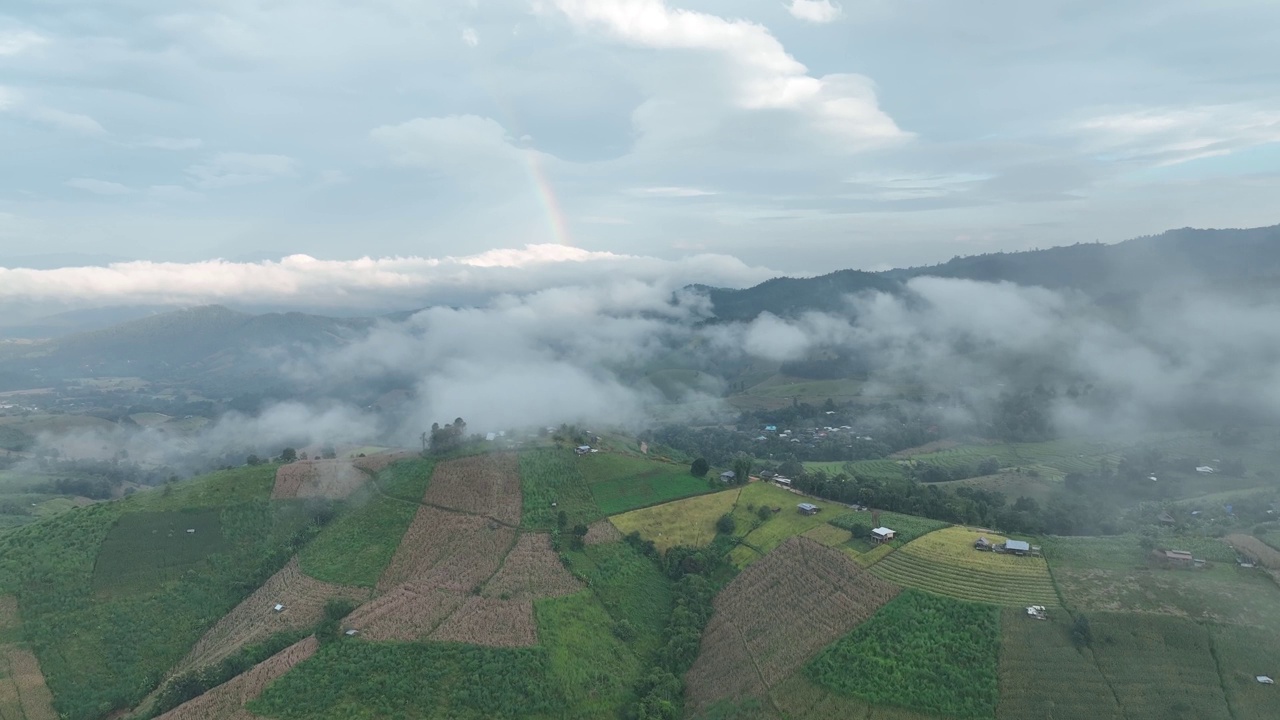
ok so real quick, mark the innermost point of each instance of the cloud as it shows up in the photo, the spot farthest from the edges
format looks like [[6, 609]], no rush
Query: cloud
[[760, 73], [98, 187], [169, 143], [233, 169], [671, 192], [68, 121], [1172, 135], [454, 142], [470, 37], [815, 11], [366, 282], [16, 42]]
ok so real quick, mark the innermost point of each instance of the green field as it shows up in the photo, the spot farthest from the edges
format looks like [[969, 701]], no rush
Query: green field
[[406, 479], [356, 548], [551, 482], [219, 489], [356, 679], [145, 549], [596, 671], [1159, 667], [1121, 552], [620, 483], [1243, 653], [921, 652], [1044, 676], [780, 391], [1017, 581], [631, 588], [785, 523], [906, 527], [883, 470], [691, 521]]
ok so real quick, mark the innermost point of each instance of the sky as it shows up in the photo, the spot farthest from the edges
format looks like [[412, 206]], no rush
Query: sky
[[762, 136]]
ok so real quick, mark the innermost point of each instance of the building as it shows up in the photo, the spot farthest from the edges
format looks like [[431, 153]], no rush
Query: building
[[1179, 558], [728, 476], [882, 535], [1017, 547], [982, 543], [582, 449], [785, 482], [808, 509]]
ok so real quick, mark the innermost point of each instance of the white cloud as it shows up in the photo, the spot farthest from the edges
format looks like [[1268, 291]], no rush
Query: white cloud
[[232, 169], [762, 74], [98, 187], [470, 37], [172, 192], [8, 98], [69, 121], [671, 192], [816, 11], [16, 42], [169, 143], [1167, 136]]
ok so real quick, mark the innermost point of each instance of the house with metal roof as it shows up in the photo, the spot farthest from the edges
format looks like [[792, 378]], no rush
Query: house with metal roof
[[882, 535]]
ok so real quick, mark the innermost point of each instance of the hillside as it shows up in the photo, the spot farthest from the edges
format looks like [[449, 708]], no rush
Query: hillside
[[306, 591]]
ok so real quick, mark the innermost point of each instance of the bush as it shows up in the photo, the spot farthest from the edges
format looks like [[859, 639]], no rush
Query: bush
[[1081, 633], [699, 468], [726, 524]]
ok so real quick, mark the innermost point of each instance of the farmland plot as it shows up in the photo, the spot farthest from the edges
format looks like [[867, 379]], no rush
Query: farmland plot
[[1243, 654], [691, 521], [551, 482], [806, 700], [254, 619], [490, 622], [1160, 667], [448, 550], [1043, 676], [945, 562], [532, 570], [145, 549], [376, 463], [480, 484], [332, 479], [775, 615], [407, 612], [600, 532], [227, 701], [1218, 595], [23, 694], [1266, 555]]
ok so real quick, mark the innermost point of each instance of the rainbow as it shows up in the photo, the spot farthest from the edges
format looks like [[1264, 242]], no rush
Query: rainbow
[[547, 195]]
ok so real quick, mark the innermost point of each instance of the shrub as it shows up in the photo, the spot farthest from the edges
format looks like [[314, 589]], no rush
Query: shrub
[[726, 524]]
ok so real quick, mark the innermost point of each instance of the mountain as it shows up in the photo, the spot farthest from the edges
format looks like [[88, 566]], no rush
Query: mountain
[[1176, 258]]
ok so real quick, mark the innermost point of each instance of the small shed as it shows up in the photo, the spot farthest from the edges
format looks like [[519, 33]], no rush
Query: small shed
[[1178, 557], [1205, 469], [1265, 680], [1017, 547], [278, 607], [785, 482], [582, 449], [882, 535], [808, 509], [728, 476], [982, 543]]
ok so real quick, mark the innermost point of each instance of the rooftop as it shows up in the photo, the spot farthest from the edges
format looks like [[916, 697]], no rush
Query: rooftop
[[1016, 545], [882, 531]]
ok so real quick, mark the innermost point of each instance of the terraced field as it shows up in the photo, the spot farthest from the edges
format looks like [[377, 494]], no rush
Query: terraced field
[[944, 562], [1044, 676]]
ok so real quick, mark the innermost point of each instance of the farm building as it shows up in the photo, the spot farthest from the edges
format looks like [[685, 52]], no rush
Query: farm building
[[1175, 558], [582, 449], [882, 535], [1017, 547], [785, 482], [808, 509], [728, 476], [983, 543]]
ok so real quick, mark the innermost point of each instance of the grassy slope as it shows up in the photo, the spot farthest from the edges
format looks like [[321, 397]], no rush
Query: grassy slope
[[551, 482], [356, 548], [1044, 676], [620, 482]]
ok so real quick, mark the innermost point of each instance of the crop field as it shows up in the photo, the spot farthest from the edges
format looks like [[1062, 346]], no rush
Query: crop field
[[333, 479], [1265, 555], [1012, 484], [551, 482], [356, 548], [219, 489], [23, 694], [779, 390], [490, 622], [143, 550], [405, 479], [907, 527], [10, 619], [531, 570], [1244, 653], [375, 462], [254, 619], [601, 531], [1159, 667], [828, 535], [481, 484], [1014, 584], [1044, 676], [785, 523], [921, 652], [1124, 552], [448, 550], [406, 612], [777, 614], [806, 700], [227, 701], [631, 588], [1224, 594], [691, 521], [619, 483], [596, 671], [885, 470]]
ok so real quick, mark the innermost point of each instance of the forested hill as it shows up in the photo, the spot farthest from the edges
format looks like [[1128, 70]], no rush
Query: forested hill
[[1174, 258]]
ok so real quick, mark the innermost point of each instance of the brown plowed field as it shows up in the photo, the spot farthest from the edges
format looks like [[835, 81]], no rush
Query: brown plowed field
[[1267, 556], [23, 694], [532, 570], [448, 550], [254, 619], [376, 463], [333, 479], [600, 532], [407, 612], [226, 702], [492, 622], [776, 615], [482, 484]]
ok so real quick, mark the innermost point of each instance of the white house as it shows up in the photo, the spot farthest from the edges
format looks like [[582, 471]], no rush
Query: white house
[[882, 535]]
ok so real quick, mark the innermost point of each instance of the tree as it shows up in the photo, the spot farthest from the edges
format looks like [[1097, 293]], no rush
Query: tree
[[253, 460], [989, 466], [699, 468], [742, 470], [288, 455], [726, 524], [328, 452], [1081, 633]]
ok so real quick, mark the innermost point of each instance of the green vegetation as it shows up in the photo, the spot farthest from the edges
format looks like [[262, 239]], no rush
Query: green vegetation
[[787, 522], [353, 680], [1045, 676], [906, 527], [1243, 653], [219, 489], [102, 653], [631, 587], [197, 682], [1125, 552], [971, 583], [684, 522], [406, 479], [620, 482], [356, 548], [551, 483], [146, 549], [589, 657], [921, 652]]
